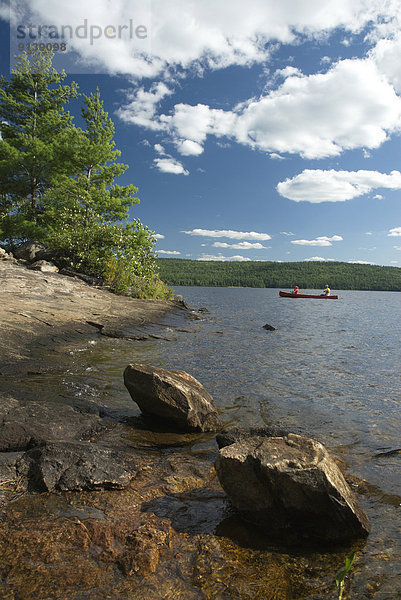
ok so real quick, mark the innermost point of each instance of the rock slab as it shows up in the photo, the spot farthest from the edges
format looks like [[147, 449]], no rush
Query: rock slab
[[173, 399], [74, 466], [292, 488]]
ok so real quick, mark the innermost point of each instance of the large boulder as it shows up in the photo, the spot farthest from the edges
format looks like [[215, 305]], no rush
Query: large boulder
[[75, 466], [172, 399], [290, 487]]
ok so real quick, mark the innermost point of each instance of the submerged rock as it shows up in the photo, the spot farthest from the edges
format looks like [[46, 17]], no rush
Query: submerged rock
[[292, 488], [174, 399], [74, 466], [269, 327], [25, 424], [231, 436]]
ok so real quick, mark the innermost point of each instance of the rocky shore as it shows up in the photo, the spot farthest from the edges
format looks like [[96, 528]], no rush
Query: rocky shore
[[98, 505]]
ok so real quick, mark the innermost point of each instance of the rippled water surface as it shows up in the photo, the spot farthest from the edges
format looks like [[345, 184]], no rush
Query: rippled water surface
[[330, 370]]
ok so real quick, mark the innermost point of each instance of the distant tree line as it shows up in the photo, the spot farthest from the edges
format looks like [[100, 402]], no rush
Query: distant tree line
[[307, 275]]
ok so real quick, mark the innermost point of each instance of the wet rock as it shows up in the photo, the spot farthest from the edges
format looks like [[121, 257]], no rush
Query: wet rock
[[28, 250], [231, 436], [25, 424], [292, 488], [269, 327], [75, 466], [8, 465], [44, 266], [172, 398], [143, 547]]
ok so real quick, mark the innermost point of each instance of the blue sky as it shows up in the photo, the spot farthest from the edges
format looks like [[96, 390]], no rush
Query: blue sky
[[265, 130]]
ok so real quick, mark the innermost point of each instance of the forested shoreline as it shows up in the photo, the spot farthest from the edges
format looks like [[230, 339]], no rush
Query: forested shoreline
[[258, 274]]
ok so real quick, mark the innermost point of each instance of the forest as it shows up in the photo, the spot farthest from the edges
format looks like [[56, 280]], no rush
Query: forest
[[307, 275]]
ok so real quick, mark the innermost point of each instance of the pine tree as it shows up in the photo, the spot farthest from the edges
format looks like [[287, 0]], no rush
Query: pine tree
[[84, 208], [34, 130]]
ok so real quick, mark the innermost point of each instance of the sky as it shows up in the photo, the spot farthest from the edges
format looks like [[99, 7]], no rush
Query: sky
[[258, 130]]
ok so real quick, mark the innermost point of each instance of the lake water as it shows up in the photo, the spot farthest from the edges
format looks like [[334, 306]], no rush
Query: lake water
[[330, 370]]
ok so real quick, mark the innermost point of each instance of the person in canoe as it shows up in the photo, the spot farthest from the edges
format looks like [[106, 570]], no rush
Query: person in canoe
[[326, 291], [295, 290]]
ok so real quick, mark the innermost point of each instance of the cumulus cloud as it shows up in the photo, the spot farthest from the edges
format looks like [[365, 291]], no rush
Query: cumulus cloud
[[361, 262], [189, 148], [169, 252], [386, 55], [322, 240], [159, 236], [159, 149], [229, 233], [142, 105], [316, 259], [395, 232], [206, 34], [316, 116], [335, 186], [239, 246], [217, 257], [170, 165]]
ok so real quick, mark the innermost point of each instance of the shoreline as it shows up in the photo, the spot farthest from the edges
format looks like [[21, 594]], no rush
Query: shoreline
[[40, 310]]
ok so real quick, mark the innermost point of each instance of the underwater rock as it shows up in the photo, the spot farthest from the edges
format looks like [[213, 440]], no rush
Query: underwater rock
[[235, 434], [65, 466], [292, 488], [174, 399], [25, 424]]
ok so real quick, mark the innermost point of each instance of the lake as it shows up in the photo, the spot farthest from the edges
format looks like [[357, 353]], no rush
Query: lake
[[330, 370]]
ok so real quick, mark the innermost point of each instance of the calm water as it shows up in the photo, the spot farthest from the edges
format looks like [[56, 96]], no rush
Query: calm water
[[331, 370]]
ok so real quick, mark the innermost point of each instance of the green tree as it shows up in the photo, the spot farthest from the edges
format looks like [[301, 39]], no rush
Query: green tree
[[57, 181], [85, 208], [34, 130]]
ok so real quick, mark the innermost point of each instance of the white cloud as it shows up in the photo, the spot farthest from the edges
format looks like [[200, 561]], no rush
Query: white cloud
[[159, 236], [170, 165], [320, 115], [335, 186], [322, 240], [229, 233], [316, 259], [397, 247], [386, 55], [276, 156], [217, 257], [142, 105], [361, 262], [170, 252], [189, 148], [185, 33], [395, 232], [287, 233], [239, 246], [159, 149]]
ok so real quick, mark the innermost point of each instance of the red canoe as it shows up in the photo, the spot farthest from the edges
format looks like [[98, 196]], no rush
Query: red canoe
[[291, 295]]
